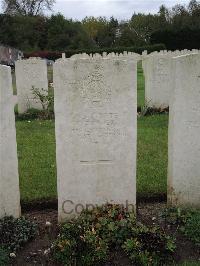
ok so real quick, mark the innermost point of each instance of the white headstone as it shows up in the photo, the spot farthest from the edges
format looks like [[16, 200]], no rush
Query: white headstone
[[30, 73], [184, 133], [104, 54], [79, 56], [96, 129], [158, 81], [9, 179], [144, 53]]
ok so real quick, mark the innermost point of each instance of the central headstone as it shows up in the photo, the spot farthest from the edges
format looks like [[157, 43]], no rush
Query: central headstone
[[96, 129]]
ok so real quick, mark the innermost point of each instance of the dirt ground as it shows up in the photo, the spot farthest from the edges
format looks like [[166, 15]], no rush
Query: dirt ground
[[36, 252]]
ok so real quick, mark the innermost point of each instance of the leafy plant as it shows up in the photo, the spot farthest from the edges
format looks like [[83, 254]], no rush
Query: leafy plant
[[4, 257], [88, 239], [30, 114], [46, 98], [145, 108], [175, 216], [191, 227], [188, 222], [14, 233], [149, 246]]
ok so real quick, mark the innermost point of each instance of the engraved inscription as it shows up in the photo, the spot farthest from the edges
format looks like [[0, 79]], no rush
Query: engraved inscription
[[92, 89], [161, 73], [96, 127], [100, 162]]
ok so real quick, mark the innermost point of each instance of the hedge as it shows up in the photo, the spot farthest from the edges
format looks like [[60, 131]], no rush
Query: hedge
[[51, 55], [179, 39]]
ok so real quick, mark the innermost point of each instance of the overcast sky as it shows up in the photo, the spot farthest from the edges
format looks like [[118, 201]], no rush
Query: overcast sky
[[121, 9]]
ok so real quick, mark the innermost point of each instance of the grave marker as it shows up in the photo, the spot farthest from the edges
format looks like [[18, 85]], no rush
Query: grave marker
[[9, 179], [96, 129], [184, 133], [30, 73]]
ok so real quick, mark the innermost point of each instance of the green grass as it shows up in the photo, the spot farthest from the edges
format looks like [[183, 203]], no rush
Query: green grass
[[141, 86], [14, 83], [191, 228], [152, 154], [189, 263], [50, 73], [37, 166]]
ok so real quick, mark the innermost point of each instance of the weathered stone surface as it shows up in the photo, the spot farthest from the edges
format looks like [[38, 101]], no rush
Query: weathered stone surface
[[184, 133], [30, 73], [9, 180], [158, 82], [96, 129], [80, 56]]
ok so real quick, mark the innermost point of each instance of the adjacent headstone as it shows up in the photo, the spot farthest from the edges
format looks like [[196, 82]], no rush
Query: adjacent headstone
[[158, 82], [184, 133], [30, 73], [130, 55], [96, 129], [144, 53], [9, 180]]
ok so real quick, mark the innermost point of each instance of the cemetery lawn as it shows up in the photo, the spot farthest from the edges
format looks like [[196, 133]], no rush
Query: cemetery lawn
[[36, 153], [37, 163], [152, 157], [141, 86]]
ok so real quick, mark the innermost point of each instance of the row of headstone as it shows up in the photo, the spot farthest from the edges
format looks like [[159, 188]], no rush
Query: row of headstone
[[32, 73], [157, 66], [125, 55], [158, 73], [96, 129]]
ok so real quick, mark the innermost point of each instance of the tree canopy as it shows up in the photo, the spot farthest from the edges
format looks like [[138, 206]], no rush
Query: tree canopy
[[24, 26], [27, 7]]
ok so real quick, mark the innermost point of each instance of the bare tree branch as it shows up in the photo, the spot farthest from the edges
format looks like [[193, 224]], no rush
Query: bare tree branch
[[27, 7]]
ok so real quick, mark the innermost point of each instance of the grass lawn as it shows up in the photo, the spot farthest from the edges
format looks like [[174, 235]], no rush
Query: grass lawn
[[37, 166], [14, 82], [152, 154], [141, 85]]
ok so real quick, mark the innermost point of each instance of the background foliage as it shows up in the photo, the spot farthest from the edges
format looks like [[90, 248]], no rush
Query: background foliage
[[176, 28]]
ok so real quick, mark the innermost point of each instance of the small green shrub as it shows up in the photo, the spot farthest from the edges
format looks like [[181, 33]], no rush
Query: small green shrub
[[31, 114], [144, 109], [175, 216], [89, 238], [188, 222], [149, 246], [191, 228], [14, 233], [46, 98], [4, 257]]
